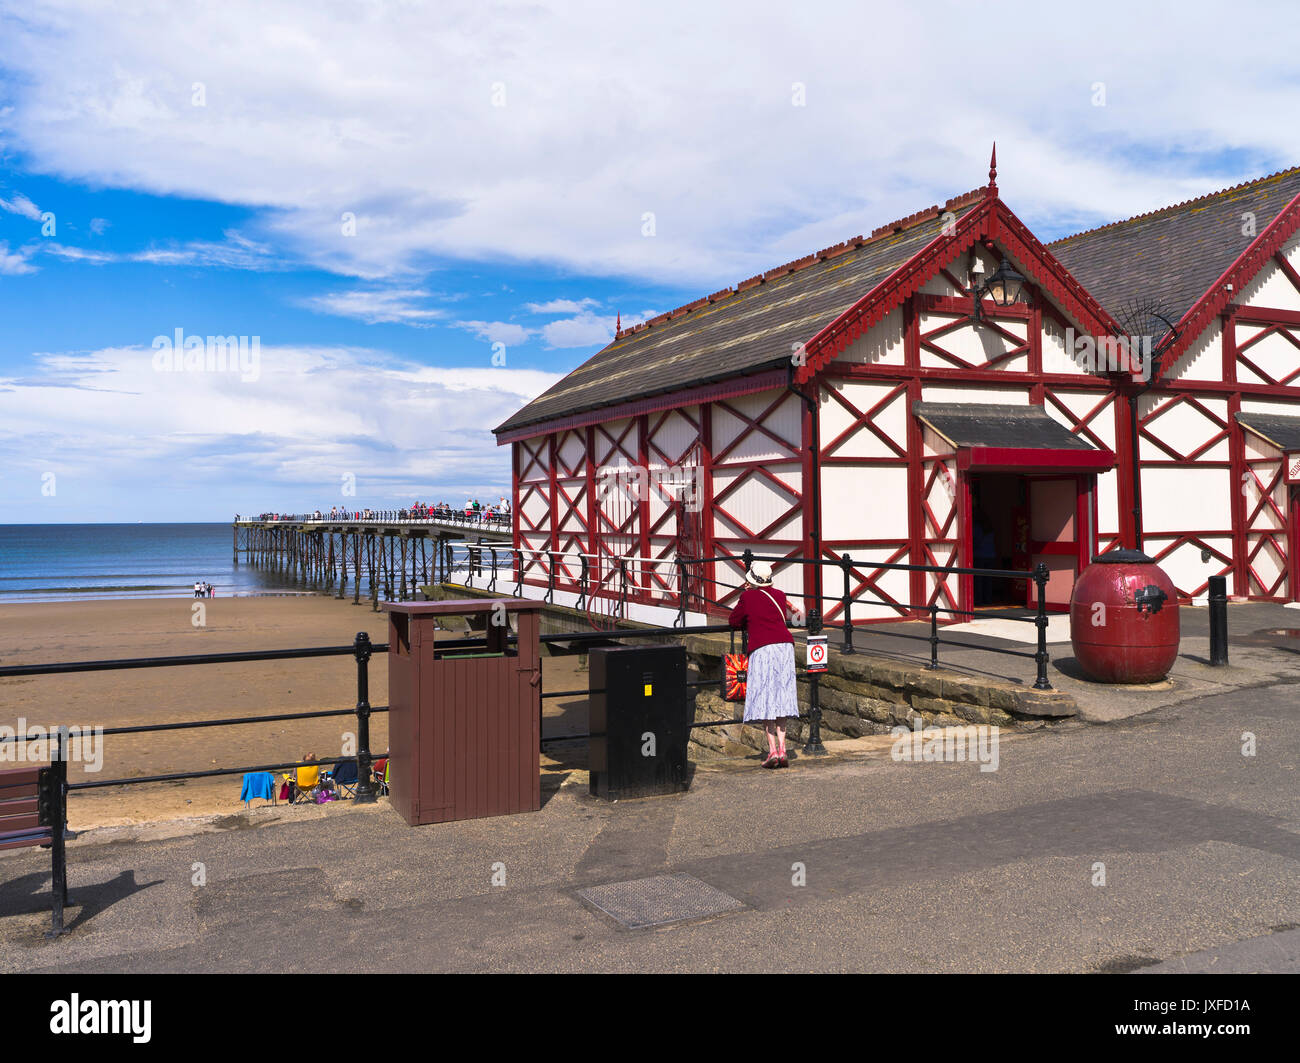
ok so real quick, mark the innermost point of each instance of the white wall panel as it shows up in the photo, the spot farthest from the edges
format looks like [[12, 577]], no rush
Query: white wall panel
[[1203, 359], [864, 503], [882, 344], [1056, 357], [1183, 499], [949, 393]]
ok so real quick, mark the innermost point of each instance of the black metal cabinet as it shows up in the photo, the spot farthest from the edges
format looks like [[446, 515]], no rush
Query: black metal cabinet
[[640, 721]]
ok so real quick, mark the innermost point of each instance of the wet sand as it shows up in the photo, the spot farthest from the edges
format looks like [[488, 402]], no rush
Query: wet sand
[[97, 630]]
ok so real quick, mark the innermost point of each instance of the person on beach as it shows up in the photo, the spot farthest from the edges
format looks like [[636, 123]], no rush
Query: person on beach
[[771, 696]]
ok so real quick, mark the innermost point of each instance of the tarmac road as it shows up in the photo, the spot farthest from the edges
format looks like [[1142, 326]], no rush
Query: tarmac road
[[906, 867]]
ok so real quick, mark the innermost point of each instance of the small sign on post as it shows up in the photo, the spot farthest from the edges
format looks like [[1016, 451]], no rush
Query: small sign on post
[[816, 653]]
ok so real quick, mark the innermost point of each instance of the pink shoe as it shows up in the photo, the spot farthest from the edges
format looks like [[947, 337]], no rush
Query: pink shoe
[[782, 761], [773, 760]]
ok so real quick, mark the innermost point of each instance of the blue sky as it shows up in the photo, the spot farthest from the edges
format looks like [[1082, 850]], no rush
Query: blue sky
[[377, 194]]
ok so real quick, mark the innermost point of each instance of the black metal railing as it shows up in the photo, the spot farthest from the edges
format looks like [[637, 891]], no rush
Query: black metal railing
[[361, 650], [617, 591]]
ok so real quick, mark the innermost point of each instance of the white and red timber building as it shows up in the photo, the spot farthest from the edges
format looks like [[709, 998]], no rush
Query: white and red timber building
[[854, 402]]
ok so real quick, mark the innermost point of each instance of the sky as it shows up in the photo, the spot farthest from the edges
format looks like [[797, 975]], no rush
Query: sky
[[418, 216]]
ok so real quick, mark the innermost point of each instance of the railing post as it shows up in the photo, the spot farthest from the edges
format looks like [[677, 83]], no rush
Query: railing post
[[845, 613], [492, 584], [813, 747], [622, 588], [934, 635], [469, 566], [582, 582], [519, 572], [361, 650], [550, 577], [681, 594], [1040, 579], [58, 830], [1218, 621]]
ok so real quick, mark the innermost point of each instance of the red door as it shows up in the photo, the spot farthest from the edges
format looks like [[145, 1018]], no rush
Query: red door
[[1055, 533]]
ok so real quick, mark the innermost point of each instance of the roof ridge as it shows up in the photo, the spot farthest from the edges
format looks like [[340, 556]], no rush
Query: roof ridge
[[1176, 206], [853, 243]]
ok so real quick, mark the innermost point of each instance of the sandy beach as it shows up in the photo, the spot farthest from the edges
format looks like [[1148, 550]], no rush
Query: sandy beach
[[97, 630]]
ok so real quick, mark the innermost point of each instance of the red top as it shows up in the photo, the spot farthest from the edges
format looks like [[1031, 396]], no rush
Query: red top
[[764, 621]]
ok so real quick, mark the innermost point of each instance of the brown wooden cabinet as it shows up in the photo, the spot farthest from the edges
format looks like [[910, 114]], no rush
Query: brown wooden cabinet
[[464, 720]]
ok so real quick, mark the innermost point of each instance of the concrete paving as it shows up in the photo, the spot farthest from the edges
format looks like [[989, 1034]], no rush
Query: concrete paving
[[1151, 842]]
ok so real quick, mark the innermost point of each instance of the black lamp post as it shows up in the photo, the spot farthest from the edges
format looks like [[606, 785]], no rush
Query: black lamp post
[[1004, 287]]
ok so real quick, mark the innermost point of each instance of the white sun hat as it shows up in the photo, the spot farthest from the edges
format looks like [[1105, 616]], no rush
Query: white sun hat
[[759, 574]]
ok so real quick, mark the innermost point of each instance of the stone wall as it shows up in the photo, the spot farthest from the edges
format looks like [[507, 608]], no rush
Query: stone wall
[[864, 694]]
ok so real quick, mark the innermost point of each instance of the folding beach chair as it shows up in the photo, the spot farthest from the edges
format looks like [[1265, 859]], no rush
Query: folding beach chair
[[379, 773], [345, 778], [303, 785]]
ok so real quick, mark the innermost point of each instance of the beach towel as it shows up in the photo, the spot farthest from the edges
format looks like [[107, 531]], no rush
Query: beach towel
[[258, 784]]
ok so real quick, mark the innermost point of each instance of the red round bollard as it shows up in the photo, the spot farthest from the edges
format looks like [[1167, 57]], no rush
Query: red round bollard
[[1124, 619]]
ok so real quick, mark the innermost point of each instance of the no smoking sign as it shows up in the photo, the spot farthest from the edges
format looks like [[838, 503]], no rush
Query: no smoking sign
[[816, 653]]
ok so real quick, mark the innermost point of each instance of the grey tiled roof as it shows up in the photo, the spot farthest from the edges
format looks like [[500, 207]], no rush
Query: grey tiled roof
[[1283, 432], [746, 332], [986, 424], [1172, 255]]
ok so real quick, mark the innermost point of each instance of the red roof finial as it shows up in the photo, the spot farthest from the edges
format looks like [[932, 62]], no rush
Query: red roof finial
[[993, 170], [618, 325]]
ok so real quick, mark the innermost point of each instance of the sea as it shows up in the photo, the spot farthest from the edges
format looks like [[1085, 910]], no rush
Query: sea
[[76, 562]]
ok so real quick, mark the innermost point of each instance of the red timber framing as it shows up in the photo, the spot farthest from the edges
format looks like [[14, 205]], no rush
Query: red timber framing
[[757, 465], [617, 508], [532, 504], [673, 447], [571, 515]]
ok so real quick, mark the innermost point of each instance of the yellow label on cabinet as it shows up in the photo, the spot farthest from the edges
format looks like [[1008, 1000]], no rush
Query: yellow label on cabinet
[[648, 690]]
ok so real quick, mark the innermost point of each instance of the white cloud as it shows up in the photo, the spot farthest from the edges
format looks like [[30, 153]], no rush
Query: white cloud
[[235, 252], [562, 306], [497, 331], [14, 263], [321, 109], [400, 305], [584, 330], [112, 426], [21, 206], [99, 226]]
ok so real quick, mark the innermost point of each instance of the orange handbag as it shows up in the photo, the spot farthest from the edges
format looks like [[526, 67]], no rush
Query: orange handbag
[[737, 672]]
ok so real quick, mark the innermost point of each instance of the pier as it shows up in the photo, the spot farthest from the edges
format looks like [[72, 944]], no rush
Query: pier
[[392, 552]]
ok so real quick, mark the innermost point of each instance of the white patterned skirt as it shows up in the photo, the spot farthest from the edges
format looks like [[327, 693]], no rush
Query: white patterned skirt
[[770, 690]]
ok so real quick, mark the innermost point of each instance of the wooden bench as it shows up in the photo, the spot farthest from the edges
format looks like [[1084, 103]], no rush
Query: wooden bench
[[33, 811]]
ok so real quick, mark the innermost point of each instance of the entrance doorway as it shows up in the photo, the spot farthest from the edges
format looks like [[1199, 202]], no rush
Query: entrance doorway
[[999, 513], [1019, 520]]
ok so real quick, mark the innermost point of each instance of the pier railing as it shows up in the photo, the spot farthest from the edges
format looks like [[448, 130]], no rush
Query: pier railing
[[454, 518]]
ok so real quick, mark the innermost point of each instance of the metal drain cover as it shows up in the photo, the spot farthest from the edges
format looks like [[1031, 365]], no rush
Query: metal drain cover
[[662, 899]]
